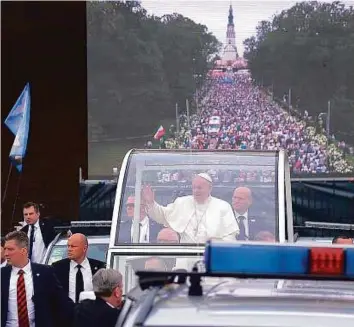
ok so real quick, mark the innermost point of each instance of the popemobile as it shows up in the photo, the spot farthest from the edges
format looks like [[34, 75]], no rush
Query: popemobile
[[169, 203]]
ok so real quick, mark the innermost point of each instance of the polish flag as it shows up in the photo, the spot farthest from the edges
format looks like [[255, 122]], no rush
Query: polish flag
[[160, 132]]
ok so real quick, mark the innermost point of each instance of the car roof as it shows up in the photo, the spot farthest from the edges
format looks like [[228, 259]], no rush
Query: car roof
[[92, 239], [254, 302], [311, 240]]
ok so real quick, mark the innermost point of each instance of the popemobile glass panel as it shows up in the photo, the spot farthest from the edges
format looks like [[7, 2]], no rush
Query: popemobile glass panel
[[174, 199]]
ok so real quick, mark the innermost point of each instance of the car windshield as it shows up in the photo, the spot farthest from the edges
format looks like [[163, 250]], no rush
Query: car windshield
[[128, 265], [96, 251], [214, 126], [171, 203]]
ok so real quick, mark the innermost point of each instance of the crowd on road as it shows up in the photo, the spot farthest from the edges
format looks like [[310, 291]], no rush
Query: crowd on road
[[250, 119]]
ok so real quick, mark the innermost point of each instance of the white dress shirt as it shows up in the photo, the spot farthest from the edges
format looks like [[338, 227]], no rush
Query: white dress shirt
[[245, 222], [12, 314], [3, 264], [144, 230], [86, 274], [39, 249], [110, 305]]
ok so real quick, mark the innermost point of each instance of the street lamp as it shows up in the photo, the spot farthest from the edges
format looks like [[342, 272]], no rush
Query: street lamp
[[196, 77], [328, 118]]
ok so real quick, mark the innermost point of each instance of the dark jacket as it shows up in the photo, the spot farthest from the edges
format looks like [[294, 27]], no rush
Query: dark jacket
[[52, 305], [93, 313], [125, 227], [47, 230], [62, 270], [259, 224]]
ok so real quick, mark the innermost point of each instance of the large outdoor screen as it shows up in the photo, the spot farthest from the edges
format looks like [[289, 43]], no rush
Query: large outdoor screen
[[206, 74]]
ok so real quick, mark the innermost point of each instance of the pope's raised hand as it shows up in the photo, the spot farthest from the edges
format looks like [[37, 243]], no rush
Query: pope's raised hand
[[148, 194]]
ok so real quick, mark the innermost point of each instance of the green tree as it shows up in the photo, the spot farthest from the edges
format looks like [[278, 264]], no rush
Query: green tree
[[310, 49], [139, 66]]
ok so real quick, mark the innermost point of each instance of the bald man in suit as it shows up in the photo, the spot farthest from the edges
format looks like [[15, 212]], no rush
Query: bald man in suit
[[249, 225], [75, 272]]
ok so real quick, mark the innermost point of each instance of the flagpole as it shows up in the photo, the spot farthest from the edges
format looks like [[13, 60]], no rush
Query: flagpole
[[15, 202], [6, 185]]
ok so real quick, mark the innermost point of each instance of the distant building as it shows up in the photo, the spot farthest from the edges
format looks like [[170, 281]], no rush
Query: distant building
[[230, 49], [230, 59]]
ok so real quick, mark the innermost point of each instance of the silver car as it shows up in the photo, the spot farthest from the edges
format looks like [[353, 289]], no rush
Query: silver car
[[245, 299], [97, 233]]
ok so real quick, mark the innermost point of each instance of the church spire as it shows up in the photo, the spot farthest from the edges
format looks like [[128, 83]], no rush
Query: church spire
[[231, 16], [230, 49]]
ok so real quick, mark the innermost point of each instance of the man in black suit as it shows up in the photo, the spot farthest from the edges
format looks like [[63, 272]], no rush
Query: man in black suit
[[75, 272], [249, 225], [3, 260], [105, 309], [40, 232], [149, 229], [30, 292]]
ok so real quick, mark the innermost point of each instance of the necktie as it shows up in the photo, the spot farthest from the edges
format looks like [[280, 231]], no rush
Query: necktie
[[143, 236], [140, 233], [79, 283], [22, 311], [31, 242], [242, 236]]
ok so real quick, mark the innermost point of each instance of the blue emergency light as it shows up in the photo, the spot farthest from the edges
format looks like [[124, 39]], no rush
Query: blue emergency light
[[278, 259]]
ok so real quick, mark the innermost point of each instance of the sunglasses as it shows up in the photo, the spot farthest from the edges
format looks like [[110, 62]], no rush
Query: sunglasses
[[131, 205]]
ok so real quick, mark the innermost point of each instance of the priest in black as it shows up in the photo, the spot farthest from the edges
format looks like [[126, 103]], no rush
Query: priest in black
[[75, 272]]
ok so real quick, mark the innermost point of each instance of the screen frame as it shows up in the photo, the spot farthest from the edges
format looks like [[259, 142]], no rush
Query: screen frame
[[281, 177]]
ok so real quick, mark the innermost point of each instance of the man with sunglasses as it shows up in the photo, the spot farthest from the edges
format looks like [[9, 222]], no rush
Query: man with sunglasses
[[149, 229]]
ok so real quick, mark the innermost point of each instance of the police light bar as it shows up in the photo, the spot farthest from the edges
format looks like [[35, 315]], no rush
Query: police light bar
[[278, 259], [93, 223]]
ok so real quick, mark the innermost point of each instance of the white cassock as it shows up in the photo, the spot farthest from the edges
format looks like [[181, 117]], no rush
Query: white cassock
[[197, 223]]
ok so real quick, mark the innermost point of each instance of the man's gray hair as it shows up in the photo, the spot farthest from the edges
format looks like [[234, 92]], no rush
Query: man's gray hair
[[105, 281]]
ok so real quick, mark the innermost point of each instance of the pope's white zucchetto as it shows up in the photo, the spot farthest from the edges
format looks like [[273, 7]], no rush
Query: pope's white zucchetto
[[206, 177]]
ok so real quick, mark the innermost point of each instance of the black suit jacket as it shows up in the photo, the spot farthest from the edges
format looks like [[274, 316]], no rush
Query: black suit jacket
[[62, 270], [93, 313], [52, 306], [47, 230], [258, 224], [126, 226]]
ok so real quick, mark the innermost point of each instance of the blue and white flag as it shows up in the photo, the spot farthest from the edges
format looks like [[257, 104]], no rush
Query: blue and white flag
[[18, 123]]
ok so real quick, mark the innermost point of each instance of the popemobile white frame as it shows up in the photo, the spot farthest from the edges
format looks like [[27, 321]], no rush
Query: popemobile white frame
[[117, 254]]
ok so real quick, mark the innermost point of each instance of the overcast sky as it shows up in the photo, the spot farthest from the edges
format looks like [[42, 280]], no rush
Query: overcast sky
[[213, 14]]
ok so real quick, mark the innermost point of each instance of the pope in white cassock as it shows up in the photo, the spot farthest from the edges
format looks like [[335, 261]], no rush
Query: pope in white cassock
[[198, 217]]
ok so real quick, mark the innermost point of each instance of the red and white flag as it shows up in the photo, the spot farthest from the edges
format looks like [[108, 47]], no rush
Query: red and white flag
[[160, 132]]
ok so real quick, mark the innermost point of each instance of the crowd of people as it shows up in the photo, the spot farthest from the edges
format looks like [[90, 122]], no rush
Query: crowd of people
[[250, 119]]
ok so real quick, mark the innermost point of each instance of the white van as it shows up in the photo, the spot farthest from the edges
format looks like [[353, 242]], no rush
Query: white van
[[214, 125]]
